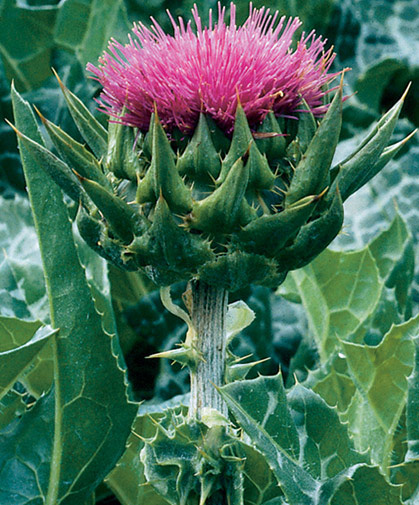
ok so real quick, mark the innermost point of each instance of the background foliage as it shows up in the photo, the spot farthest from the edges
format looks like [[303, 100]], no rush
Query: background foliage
[[378, 40]]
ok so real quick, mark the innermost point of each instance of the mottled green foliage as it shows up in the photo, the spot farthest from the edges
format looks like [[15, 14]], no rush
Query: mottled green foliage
[[328, 462], [367, 369]]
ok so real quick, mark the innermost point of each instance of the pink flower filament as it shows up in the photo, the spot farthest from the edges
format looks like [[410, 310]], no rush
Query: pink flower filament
[[208, 69]]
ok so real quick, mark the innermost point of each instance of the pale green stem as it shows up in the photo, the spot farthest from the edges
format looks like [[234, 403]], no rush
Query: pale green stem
[[209, 309]]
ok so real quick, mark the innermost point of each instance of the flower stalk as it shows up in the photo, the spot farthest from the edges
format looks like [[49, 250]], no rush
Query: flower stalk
[[209, 309]]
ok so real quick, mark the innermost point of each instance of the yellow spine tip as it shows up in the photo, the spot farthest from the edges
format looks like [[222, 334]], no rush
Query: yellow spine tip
[[41, 116], [18, 133], [60, 82]]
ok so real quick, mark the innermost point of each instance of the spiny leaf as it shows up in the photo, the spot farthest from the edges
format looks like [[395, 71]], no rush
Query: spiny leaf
[[78, 407], [260, 408]]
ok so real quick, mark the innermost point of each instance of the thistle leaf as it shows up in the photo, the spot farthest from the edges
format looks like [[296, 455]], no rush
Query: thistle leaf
[[307, 126], [273, 145], [238, 269], [260, 408], [242, 137], [121, 157], [95, 234], [123, 219], [169, 247], [48, 437], [39, 155], [313, 237], [268, 234]]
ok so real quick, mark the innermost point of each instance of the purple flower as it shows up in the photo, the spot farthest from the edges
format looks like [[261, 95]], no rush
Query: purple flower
[[210, 68]]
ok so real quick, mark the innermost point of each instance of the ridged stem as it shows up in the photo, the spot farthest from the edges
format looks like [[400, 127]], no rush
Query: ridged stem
[[209, 308]]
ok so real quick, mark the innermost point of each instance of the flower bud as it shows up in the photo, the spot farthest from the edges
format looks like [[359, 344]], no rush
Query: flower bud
[[221, 176]]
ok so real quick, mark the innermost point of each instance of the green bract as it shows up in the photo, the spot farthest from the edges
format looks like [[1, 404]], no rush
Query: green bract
[[230, 212]]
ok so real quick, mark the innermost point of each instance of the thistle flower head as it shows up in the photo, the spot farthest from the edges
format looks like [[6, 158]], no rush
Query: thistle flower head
[[211, 68]]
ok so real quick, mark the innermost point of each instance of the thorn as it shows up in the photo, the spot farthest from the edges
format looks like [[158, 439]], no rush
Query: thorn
[[60, 82], [245, 156], [410, 136], [238, 359], [156, 115], [262, 203], [18, 133], [341, 79], [238, 96], [406, 91], [41, 116], [320, 195], [214, 180], [138, 436], [79, 177], [266, 135], [154, 421], [163, 354], [279, 191]]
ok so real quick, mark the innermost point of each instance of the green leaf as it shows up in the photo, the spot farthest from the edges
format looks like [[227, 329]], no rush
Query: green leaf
[[379, 42], [127, 480], [413, 410], [12, 405], [380, 375], [339, 292], [22, 291], [260, 407], [394, 255], [96, 270], [91, 130], [239, 316], [326, 449], [361, 485], [15, 333], [260, 483], [370, 156], [333, 382], [392, 192], [85, 26], [395, 258], [326, 446], [26, 59], [311, 173], [14, 361], [80, 427]]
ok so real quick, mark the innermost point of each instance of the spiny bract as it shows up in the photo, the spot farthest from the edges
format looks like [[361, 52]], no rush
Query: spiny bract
[[228, 208]]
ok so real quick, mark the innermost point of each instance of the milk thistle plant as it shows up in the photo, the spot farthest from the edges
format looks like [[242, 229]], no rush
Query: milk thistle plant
[[216, 170]]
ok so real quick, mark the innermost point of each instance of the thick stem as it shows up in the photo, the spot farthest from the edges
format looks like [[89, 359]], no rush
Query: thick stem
[[209, 308]]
